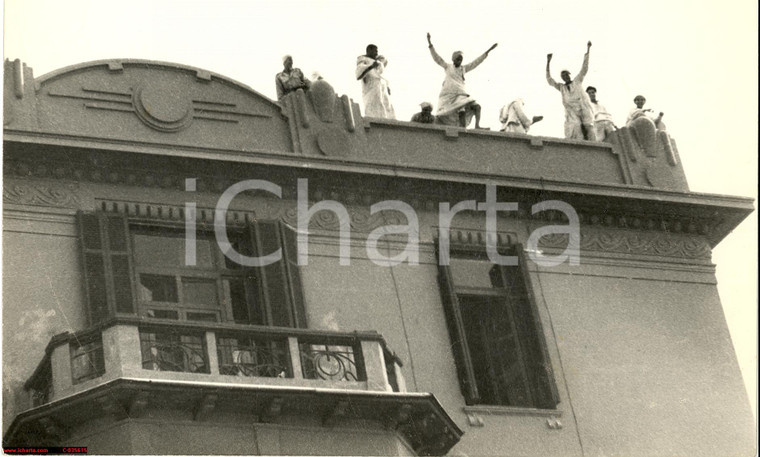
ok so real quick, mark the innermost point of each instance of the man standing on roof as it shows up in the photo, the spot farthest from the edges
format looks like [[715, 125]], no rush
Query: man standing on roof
[[375, 91], [602, 119], [577, 104], [455, 105]]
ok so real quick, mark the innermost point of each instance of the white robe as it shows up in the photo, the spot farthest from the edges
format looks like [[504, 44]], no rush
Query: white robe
[[513, 117], [375, 93], [453, 94]]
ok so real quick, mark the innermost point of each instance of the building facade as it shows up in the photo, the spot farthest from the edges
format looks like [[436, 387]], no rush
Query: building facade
[[191, 267]]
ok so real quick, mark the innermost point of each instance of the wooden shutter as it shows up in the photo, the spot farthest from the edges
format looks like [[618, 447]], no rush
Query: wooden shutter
[[266, 239], [459, 345], [290, 258], [547, 395], [107, 262]]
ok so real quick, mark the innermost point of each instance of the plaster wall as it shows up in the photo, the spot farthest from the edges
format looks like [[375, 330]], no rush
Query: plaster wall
[[648, 362], [42, 296]]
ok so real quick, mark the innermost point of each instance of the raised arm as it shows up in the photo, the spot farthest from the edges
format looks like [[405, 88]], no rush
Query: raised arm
[[437, 58], [549, 78], [472, 65], [584, 67]]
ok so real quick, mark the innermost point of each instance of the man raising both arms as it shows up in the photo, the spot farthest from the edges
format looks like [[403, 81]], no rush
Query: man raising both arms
[[455, 105], [577, 104]]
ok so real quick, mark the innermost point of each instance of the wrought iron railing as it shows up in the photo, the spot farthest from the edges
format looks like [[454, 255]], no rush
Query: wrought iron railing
[[332, 362], [213, 352], [250, 357], [170, 351]]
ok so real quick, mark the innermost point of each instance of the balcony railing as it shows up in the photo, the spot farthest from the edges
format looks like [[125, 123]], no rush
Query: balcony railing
[[206, 352]]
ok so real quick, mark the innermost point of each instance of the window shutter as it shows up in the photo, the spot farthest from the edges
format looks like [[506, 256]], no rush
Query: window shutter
[[107, 261], [274, 282], [547, 393], [290, 257], [459, 344]]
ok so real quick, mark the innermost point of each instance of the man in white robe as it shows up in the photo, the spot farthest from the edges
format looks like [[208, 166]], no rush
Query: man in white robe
[[455, 105], [577, 104], [513, 118], [375, 90]]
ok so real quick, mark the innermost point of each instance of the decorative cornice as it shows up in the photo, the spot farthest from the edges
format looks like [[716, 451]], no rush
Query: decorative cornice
[[628, 242], [101, 168]]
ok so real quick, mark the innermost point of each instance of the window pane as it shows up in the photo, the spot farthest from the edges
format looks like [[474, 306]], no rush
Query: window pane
[[471, 272], [163, 314], [202, 317], [168, 250], [242, 245], [158, 288], [200, 292], [236, 291]]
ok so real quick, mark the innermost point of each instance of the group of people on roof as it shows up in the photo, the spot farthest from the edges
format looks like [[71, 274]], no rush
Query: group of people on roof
[[585, 117]]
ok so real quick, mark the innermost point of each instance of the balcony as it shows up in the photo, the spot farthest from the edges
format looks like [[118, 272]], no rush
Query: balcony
[[130, 365]]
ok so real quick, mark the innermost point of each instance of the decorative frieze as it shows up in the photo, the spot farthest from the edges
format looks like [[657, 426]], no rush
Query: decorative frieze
[[355, 195], [630, 242], [41, 194]]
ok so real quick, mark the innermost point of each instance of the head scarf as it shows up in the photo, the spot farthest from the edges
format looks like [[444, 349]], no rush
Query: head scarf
[[454, 56], [286, 57]]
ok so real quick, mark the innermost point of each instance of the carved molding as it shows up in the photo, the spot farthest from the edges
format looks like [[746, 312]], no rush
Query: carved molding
[[361, 220], [158, 105], [39, 194], [619, 241]]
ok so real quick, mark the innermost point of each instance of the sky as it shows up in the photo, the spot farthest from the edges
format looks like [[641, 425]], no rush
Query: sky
[[695, 61]]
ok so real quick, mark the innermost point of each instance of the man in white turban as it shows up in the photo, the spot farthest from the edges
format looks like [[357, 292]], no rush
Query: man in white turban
[[289, 79], [375, 91], [455, 105]]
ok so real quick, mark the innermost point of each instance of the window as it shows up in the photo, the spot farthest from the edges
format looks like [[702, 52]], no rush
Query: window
[[138, 268], [496, 334]]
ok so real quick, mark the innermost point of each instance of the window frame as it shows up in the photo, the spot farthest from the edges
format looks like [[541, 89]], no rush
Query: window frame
[[217, 273], [273, 295], [540, 383]]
